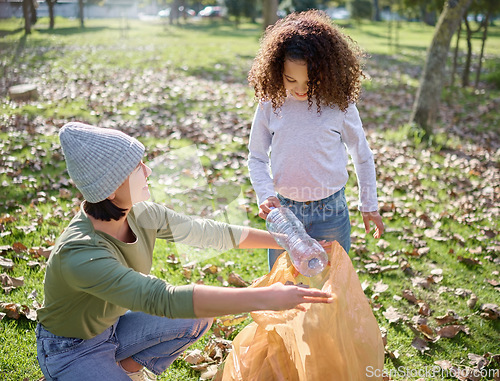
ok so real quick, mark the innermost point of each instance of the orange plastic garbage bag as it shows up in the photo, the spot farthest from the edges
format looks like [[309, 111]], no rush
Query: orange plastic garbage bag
[[340, 341]]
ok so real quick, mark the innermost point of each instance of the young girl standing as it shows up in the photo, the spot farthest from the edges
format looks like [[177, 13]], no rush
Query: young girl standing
[[307, 77]]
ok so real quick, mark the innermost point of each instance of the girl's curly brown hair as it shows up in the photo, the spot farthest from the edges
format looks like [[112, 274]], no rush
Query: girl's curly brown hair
[[333, 61]]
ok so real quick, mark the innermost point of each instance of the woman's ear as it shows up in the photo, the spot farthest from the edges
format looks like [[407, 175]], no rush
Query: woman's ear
[[111, 196]]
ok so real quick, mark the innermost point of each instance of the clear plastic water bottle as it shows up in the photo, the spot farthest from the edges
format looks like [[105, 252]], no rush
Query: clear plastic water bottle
[[306, 254]]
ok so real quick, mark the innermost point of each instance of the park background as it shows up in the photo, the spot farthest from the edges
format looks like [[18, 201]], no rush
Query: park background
[[178, 84]]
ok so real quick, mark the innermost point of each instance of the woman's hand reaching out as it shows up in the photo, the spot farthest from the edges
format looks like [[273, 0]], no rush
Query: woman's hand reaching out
[[283, 297], [210, 301]]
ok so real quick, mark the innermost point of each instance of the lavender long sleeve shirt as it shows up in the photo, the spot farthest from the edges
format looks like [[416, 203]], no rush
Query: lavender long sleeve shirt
[[302, 154]]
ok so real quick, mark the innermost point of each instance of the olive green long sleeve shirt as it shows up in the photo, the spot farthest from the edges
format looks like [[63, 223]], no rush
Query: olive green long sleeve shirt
[[92, 278]]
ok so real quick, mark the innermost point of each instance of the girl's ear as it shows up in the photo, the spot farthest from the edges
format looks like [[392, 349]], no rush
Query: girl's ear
[[111, 196]]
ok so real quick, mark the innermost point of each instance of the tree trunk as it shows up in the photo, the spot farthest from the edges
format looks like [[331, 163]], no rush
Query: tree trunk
[[172, 17], [376, 11], [468, 59], [27, 16], [269, 12], [51, 4], [80, 11], [428, 17], [455, 55], [429, 92], [33, 6], [389, 34], [485, 36]]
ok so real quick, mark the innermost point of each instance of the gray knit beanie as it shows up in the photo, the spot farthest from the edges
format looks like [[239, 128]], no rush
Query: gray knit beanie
[[99, 160]]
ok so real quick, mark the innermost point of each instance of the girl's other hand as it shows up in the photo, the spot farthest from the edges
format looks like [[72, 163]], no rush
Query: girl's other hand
[[266, 206], [377, 220]]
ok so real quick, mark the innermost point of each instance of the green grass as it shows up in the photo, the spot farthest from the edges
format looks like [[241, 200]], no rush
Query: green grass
[[182, 91]]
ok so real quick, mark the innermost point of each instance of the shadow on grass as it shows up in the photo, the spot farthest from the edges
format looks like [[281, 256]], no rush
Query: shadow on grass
[[217, 74], [71, 30], [413, 63], [19, 48], [415, 48], [382, 36], [7, 32], [223, 28], [21, 325], [396, 362]]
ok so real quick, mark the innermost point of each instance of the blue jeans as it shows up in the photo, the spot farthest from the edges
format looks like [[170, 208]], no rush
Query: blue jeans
[[326, 219], [152, 341]]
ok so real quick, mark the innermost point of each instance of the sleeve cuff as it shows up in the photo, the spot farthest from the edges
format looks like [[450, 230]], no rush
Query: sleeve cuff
[[183, 307]]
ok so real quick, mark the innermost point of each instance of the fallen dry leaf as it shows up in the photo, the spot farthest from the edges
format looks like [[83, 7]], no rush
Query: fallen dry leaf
[[6, 263], [18, 247], [10, 309], [419, 252], [393, 354], [476, 250], [9, 283], [217, 348], [408, 295], [383, 333], [187, 273], [194, 357], [172, 259], [210, 269], [493, 358], [222, 331], [450, 331], [444, 364], [65, 194], [365, 284], [236, 280], [471, 303], [392, 315], [449, 318], [380, 287], [493, 282], [490, 311], [477, 360], [462, 292], [427, 331], [200, 367], [418, 319], [15, 311], [209, 372], [424, 309], [7, 218], [469, 261], [422, 282], [383, 244], [420, 345]]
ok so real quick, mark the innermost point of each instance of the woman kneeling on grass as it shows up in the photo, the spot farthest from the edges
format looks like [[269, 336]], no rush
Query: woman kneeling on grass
[[104, 317]]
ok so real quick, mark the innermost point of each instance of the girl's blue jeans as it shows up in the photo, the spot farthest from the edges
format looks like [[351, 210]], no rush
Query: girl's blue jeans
[[152, 341], [326, 219]]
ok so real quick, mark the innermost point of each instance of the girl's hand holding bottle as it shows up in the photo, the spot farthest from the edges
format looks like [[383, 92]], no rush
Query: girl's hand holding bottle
[[266, 206]]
